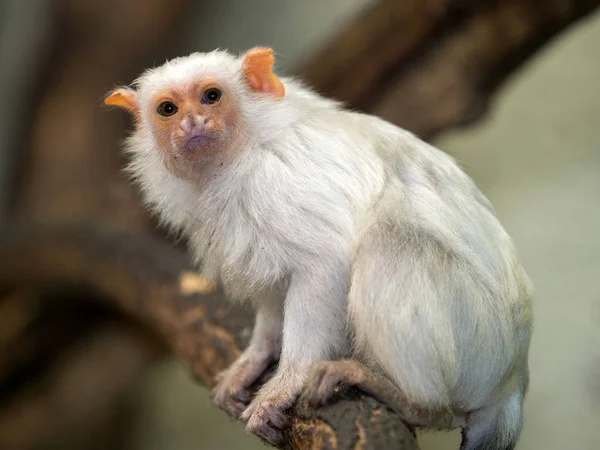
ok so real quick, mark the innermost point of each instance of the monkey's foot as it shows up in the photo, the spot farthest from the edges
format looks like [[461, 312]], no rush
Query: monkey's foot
[[232, 392], [328, 377], [266, 416]]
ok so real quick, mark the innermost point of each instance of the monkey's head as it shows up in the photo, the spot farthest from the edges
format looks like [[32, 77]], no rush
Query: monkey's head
[[194, 111]]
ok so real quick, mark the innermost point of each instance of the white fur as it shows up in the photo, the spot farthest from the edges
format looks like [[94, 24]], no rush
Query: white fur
[[380, 243]]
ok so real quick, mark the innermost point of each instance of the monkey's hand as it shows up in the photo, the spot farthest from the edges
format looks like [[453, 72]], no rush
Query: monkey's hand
[[232, 392], [266, 416]]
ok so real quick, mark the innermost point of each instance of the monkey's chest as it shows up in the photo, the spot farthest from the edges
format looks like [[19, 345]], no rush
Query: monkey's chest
[[255, 242], [248, 259]]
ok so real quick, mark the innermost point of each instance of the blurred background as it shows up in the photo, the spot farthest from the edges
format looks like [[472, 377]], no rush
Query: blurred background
[[522, 115]]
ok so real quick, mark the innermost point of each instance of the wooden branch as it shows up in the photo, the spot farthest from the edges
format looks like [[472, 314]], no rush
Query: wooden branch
[[430, 65], [142, 276], [72, 155], [80, 395], [69, 169]]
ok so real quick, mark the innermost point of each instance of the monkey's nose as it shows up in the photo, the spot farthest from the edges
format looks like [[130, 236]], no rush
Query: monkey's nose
[[187, 125], [191, 124], [201, 120]]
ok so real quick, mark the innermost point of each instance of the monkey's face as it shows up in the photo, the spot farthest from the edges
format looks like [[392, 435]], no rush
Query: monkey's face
[[194, 125], [195, 111]]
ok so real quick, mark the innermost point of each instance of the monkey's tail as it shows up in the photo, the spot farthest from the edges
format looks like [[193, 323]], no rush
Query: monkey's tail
[[496, 427]]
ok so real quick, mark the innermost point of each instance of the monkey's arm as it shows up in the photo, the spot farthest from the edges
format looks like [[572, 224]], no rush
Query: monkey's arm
[[233, 390], [314, 319]]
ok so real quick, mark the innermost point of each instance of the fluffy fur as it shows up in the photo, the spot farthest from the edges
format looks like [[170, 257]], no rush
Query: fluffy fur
[[367, 241]]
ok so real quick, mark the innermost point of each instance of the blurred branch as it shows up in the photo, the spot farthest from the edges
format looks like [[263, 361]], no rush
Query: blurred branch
[[69, 168], [73, 155], [431, 65], [141, 276], [26, 35], [79, 394]]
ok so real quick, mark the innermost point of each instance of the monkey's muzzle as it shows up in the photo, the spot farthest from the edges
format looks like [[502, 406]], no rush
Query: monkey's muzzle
[[198, 141]]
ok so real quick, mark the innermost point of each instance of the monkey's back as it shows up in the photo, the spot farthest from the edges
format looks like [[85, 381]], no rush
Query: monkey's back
[[438, 296]]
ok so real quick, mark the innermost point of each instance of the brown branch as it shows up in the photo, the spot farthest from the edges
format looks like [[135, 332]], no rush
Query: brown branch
[[430, 65], [69, 169], [72, 152], [65, 368], [80, 395], [142, 276]]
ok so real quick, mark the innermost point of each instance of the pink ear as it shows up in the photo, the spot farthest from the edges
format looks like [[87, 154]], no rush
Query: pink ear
[[124, 98], [258, 67]]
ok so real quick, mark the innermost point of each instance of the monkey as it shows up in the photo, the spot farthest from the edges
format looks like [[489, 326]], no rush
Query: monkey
[[370, 257]]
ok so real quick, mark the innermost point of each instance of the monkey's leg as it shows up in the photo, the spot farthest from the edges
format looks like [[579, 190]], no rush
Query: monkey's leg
[[231, 392], [327, 377]]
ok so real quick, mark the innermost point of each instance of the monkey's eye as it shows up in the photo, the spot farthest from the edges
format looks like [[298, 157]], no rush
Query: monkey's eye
[[211, 96], [167, 109]]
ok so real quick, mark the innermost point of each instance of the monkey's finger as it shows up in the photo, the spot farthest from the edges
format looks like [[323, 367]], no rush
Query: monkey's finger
[[269, 434], [259, 425], [227, 403], [330, 385], [244, 396], [321, 386], [311, 391], [233, 408], [308, 397], [279, 419]]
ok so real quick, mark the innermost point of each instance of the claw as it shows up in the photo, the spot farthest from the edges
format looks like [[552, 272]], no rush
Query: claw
[[244, 396]]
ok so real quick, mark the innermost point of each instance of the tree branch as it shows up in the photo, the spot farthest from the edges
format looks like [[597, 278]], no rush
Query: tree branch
[[430, 65], [80, 394], [142, 276]]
